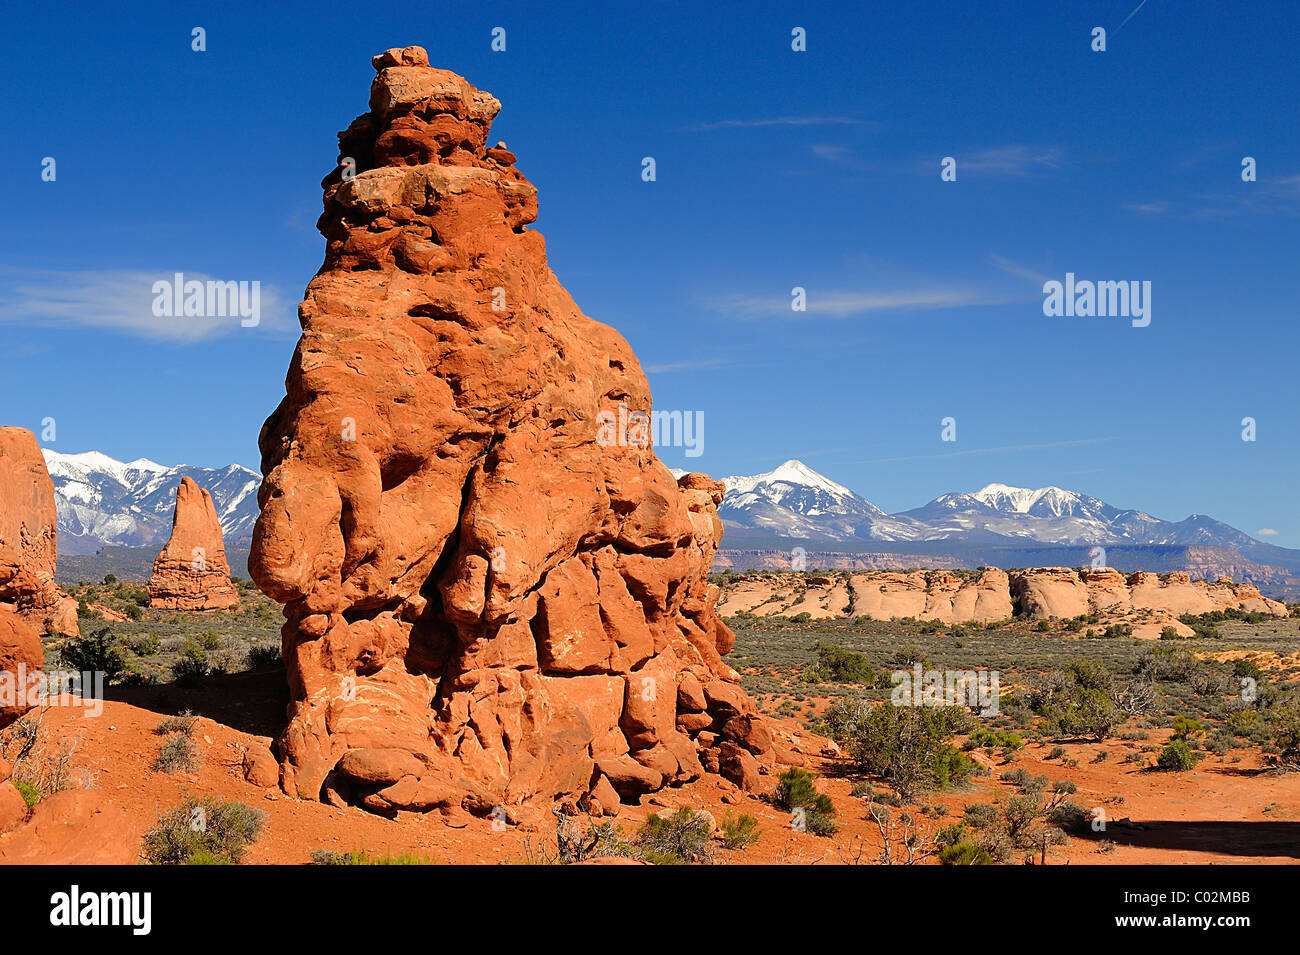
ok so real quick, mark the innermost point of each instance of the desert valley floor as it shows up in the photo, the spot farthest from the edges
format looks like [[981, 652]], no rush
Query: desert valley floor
[[1230, 808]]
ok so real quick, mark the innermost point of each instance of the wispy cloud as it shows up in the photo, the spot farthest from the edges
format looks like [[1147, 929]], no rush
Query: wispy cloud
[[1131, 15], [844, 304], [778, 121], [1147, 208], [1004, 449], [1015, 268], [700, 365], [1014, 160], [122, 300], [1266, 532], [1270, 197], [830, 151]]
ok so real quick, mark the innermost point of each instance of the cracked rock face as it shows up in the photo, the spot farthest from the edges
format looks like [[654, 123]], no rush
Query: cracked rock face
[[486, 601]]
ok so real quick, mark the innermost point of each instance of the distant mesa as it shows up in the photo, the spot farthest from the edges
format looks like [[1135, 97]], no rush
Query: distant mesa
[[191, 572], [1149, 603]]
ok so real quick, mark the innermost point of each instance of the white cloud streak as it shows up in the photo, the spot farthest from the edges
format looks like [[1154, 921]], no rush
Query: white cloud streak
[[122, 301]]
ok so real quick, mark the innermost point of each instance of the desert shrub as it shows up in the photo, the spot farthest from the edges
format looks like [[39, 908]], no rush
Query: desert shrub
[[599, 839], [1056, 753], [1209, 680], [96, 653], [908, 745], [1075, 700], [191, 668], [1169, 633], [906, 657], [1070, 817], [739, 832], [994, 739], [1284, 729], [952, 768], [676, 839], [1185, 727], [1247, 668], [361, 857], [29, 791], [1024, 780], [223, 830], [133, 611], [1220, 744], [178, 753], [209, 640], [144, 645], [965, 853], [1177, 756], [980, 815], [796, 788], [184, 722], [1163, 663], [844, 666], [1244, 721], [263, 654]]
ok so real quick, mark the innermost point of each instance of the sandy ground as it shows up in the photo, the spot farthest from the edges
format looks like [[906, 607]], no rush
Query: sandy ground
[[1217, 813]]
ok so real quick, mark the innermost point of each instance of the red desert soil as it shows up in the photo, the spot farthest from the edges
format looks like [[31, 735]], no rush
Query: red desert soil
[[1218, 813]]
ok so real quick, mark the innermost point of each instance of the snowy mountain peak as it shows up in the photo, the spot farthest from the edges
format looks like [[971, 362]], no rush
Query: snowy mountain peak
[[1021, 500], [103, 501], [790, 472], [96, 462]]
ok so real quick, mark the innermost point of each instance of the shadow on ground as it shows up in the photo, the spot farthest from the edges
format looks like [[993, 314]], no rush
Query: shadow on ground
[[1246, 839], [252, 702]]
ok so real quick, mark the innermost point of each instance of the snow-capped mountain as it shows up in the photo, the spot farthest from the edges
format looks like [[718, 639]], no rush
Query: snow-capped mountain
[[794, 501], [102, 501]]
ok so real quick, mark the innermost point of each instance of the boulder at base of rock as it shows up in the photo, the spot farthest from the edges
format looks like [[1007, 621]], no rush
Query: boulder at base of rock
[[73, 827]]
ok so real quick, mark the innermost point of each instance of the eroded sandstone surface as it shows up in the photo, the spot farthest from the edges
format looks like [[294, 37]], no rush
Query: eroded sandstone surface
[[28, 543], [191, 571], [1148, 602], [484, 603]]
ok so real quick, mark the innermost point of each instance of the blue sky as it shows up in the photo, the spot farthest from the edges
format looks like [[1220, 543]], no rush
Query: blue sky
[[775, 169]]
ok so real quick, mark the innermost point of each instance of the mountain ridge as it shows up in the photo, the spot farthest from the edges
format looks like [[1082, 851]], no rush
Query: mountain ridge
[[796, 501], [103, 502]]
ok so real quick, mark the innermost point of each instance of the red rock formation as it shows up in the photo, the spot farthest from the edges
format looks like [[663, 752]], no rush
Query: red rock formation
[[20, 655], [71, 827], [486, 601], [28, 543], [190, 572]]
